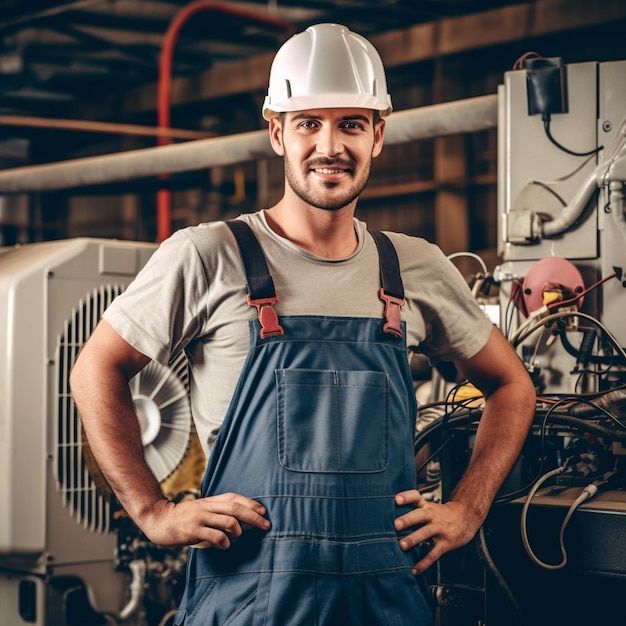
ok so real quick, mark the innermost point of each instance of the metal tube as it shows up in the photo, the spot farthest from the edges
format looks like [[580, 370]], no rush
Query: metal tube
[[440, 120], [463, 116], [570, 213]]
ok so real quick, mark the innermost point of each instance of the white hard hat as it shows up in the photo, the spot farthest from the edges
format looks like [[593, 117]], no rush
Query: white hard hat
[[326, 66]]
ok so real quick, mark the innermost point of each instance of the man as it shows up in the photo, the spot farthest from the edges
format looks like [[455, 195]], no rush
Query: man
[[300, 384]]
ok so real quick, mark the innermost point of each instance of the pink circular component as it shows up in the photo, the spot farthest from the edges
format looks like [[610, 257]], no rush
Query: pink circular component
[[551, 274]]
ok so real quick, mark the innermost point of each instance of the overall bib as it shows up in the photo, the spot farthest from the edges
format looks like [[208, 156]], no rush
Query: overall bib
[[320, 430]]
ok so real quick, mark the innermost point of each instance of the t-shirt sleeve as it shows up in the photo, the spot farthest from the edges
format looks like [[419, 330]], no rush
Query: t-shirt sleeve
[[163, 308], [450, 323]]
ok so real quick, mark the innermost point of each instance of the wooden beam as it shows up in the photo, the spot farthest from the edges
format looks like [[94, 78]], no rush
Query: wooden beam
[[101, 127], [399, 47], [223, 80], [450, 164]]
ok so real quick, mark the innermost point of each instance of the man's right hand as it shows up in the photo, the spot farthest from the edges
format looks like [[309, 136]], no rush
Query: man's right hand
[[212, 522], [100, 385]]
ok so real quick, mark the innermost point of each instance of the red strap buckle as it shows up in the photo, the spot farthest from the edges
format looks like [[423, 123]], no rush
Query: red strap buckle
[[393, 320], [267, 316]]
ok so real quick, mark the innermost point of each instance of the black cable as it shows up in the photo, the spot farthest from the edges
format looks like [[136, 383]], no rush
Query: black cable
[[435, 453], [550, 190], [542, 447], [595, 359], [423, 437], [552, 415], [590, 427], [508, 317], [546, 127], [452, 406], [586, 347], [577, 411], [485, 556]]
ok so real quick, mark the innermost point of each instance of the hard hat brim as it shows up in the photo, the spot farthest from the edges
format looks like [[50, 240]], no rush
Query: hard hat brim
[[326, 101]]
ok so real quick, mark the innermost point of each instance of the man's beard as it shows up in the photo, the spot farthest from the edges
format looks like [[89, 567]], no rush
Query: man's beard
[[316, 198]]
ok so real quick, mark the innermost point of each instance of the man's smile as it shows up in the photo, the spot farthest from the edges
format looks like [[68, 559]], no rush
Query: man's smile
[[325, 170], [333, 168]]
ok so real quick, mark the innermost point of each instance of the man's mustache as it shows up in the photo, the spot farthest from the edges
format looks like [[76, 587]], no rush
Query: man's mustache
[[330, 164]]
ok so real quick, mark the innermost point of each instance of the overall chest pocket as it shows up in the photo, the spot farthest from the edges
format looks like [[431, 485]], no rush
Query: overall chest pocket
[[332, 421]]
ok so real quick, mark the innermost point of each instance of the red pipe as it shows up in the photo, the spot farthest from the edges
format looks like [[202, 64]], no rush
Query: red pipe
[[164, 221]]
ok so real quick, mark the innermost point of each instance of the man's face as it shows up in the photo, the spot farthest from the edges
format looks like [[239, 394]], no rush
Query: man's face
[[327, 153]]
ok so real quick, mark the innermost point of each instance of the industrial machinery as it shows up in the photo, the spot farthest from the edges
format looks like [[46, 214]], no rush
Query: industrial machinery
[[69, 556], [552, 549]]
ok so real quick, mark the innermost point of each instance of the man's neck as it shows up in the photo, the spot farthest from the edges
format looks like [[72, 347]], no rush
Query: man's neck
[[327, 234]]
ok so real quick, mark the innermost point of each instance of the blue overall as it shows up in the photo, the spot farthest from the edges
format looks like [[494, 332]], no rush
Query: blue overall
[[320, 431]]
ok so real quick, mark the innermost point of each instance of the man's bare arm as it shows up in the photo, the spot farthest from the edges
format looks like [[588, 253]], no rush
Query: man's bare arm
[[99, 383], [507, 415]]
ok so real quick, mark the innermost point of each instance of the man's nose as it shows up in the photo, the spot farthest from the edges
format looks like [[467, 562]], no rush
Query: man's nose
[[329, 142]]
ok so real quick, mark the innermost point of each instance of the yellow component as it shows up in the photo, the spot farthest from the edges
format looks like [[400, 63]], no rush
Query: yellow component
[[464, 394], [551, 296]]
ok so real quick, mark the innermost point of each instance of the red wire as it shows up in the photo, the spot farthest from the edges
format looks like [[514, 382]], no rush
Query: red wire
[[558, 304], [164, 222]]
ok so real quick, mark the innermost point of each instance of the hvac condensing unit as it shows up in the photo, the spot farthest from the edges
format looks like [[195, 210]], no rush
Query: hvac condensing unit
[[60, 539]]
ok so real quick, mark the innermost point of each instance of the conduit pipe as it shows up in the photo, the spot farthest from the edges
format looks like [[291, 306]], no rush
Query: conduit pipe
[[438, 120], [568, 216], [164, 225], [602, 175]]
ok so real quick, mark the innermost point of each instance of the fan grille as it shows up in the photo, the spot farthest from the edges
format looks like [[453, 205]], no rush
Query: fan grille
[[82, 487], [89, 505]]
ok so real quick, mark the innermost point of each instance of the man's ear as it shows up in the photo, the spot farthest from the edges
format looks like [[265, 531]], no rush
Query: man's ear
[[276, 135], [379, 134]]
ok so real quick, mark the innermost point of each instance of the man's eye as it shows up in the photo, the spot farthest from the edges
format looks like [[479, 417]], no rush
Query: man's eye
[[308, 124], [353, 126]]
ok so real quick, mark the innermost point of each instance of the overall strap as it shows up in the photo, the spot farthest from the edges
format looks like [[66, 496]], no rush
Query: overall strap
[[392, 290], [261, 291]]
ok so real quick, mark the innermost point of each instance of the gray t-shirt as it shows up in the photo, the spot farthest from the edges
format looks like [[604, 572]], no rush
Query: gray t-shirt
[[180, 301]]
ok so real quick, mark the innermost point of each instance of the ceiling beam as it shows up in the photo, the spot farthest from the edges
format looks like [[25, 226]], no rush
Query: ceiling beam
[[399, 47]]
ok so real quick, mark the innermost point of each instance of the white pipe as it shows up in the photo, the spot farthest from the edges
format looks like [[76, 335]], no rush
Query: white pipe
[[601, 175], [615, 172], [440, 120], [463, 116], [570, 213]]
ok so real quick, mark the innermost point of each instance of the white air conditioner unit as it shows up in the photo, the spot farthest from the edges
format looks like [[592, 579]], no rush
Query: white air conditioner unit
[[57, 523]]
